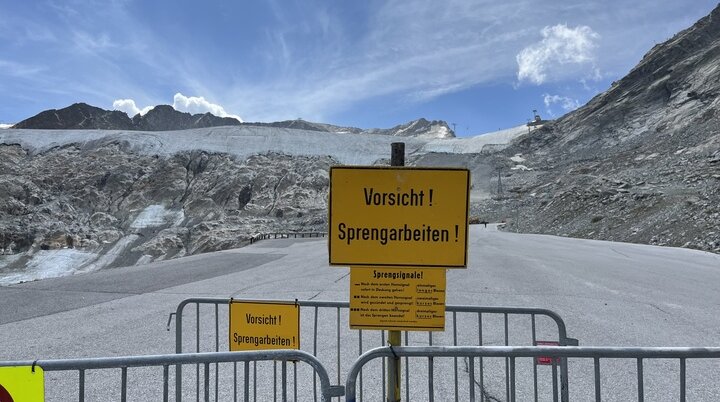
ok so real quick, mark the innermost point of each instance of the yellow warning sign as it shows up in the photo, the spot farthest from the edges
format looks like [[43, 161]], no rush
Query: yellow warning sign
[[260, 325], [400, 299], [381, 216], [22, 384]]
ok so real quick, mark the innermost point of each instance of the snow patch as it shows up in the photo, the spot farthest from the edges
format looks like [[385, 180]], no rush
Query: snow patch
[[4, 126], [474, 145], [50, 264], [521, 167], [112, 254], [517, 158], [157, 215]]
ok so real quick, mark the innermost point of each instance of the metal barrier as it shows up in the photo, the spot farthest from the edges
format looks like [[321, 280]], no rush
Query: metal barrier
[[146, 391], [469, 325], [638, 357], [285, 235]]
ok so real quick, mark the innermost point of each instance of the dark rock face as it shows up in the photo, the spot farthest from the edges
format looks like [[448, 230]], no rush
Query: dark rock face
[[145, 207], [78, 116], [638, 163], [160, 118]]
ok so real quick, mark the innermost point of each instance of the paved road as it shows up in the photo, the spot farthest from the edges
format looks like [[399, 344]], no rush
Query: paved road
[[608, 294]]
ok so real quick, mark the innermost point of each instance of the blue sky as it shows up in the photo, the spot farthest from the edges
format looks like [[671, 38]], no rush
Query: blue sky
[[482, 64]]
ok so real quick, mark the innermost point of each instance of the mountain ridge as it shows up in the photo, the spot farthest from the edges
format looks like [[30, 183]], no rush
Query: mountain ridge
[[166, 118]]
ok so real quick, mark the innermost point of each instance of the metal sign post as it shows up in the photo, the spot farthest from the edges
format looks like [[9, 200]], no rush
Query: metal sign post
[[397, 158]]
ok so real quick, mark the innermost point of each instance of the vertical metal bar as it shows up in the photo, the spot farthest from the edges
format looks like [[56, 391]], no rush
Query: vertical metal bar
[[295, 394], [534, 342], [123, 386], [512, 379], [284, 380], [315, 336], [682, 379], [457, 397], [431, 372], [554, 380], [178, 349], [217, 349], [338, 346], [206, 382], [197, 349], [255, 381], [275, 381], [166, 391], [641, 380], [480, 343], [597, 379], [360, 351], [235, 381], [246, 395], [472, 379], [507, 368], [407, 371], [382, 343], [81, 391]]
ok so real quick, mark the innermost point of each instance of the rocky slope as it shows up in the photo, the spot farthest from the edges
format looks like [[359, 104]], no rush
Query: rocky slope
[[638, 163]]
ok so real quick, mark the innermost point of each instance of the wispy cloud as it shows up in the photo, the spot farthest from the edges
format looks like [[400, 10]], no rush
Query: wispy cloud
[[562, 52], [566, 103]]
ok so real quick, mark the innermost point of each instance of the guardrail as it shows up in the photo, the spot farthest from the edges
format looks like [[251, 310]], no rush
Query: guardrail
[[467, 324], [639, 355], [285, 235], [165, 361]]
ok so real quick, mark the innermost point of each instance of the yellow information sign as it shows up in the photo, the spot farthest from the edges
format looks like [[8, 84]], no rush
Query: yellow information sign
[[400, 299], [258, 325], [22, 384], [414, 217]]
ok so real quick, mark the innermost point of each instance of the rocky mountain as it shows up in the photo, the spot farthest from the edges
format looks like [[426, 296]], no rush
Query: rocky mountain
[[166, 118], [78, 116], [639, 163], [84, 116]]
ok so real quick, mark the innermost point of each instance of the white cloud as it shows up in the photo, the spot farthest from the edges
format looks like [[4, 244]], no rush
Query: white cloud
[[4, 126], [561, 53], [566, 103], [182, 103], [128, 106], [198, 104]]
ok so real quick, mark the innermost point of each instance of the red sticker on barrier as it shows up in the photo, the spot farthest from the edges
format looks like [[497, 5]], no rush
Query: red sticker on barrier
[[546, 360]]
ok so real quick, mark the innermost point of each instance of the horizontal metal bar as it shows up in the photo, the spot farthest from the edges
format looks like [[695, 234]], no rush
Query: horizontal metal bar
[[554, 351], [170, 359]]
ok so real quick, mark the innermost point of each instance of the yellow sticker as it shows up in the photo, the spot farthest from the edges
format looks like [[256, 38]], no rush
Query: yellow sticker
[[414, 217], [257, 325], [22, 384], [397, 299]]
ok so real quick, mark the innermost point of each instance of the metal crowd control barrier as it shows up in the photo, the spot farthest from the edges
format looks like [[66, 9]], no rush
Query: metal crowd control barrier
[[467, 325], [638, 356], [146, 390]]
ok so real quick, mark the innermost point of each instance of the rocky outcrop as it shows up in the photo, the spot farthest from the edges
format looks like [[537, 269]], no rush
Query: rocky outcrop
[[638, 163], [160, 118], [126, 208]]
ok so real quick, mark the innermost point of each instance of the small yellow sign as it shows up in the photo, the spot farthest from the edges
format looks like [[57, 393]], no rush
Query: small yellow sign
[[22, 384], [414, 217], [259, 325], [397, 299]]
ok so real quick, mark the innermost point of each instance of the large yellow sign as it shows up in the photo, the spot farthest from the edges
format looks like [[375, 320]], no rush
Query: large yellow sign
[[22, 384], [259, 325], [400, 299], [382, 216]]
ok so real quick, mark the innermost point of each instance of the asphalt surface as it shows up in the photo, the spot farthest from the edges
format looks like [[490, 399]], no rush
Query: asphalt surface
[[609, 294]]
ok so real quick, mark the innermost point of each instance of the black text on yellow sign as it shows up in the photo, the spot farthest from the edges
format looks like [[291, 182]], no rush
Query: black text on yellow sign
[[397, 216], [22, 383], [397, 299], [258, 325]]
